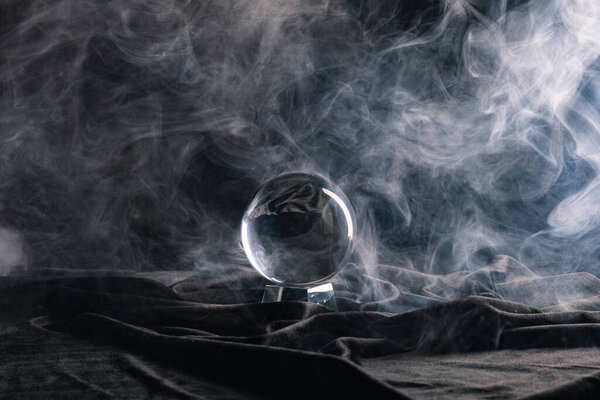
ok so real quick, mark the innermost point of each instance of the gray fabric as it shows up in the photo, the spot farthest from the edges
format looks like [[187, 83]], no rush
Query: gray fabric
[[504, 374], [120, 335]]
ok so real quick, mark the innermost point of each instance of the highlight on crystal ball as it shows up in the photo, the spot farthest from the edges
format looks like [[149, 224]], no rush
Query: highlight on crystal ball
[[298, 230]]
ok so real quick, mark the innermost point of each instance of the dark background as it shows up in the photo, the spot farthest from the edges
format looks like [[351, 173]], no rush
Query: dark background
[[134, 133]]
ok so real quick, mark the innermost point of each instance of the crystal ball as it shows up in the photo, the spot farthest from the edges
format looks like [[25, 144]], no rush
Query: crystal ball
[[298, 230]]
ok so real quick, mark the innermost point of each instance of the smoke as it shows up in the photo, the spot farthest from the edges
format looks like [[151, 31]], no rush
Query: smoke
[[132, 134], [12, 255]]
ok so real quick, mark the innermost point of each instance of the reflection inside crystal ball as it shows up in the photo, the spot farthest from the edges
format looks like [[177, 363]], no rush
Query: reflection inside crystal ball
[[299, 229]]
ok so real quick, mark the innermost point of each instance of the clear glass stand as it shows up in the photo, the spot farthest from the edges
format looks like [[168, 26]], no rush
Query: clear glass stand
[[321, 294]]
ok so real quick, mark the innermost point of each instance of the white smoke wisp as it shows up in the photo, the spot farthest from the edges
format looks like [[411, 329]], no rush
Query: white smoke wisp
[[12, 254], [465, 133], [505, 120]]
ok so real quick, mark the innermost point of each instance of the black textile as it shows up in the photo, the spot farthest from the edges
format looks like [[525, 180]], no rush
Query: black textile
[[118, 335]]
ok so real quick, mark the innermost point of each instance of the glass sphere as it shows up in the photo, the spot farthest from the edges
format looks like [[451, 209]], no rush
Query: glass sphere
[[298, 230]]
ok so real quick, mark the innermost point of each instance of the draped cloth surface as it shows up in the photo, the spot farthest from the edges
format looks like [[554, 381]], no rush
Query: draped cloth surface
[[205, 334]]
